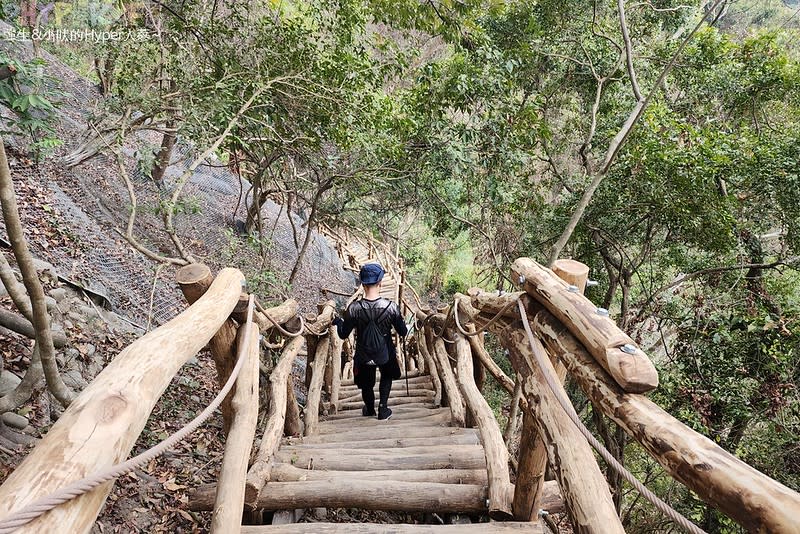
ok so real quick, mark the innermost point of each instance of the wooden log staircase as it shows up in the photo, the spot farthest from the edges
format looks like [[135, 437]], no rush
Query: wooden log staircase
[[440, 458]]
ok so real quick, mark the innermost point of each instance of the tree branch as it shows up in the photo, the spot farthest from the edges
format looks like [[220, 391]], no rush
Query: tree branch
[[628, 50], [619, 140]]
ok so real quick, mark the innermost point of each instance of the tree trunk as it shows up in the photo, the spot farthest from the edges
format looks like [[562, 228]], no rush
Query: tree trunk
[[41, 318], [164, 154]]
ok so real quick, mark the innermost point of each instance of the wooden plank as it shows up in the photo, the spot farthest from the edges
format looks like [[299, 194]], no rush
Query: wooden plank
[[375, 528], [229, 502], [752, 499], [633, 370], [500, 488], [98, 430]]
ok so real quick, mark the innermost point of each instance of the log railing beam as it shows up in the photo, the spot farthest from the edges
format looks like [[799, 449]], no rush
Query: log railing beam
[[99, 428]]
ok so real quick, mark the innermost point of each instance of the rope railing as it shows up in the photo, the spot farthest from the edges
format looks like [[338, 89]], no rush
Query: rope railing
[[43, 505]]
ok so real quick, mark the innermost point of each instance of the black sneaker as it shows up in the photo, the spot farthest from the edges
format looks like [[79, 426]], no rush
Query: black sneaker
[[384, 413], [368, 411]]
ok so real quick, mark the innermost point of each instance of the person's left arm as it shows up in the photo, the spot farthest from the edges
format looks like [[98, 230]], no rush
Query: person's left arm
[[398, 323]]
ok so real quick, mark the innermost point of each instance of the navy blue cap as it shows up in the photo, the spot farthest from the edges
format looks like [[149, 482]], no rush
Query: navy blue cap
[[371, 274]]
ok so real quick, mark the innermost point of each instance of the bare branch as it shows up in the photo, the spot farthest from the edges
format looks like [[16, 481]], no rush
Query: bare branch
[[628, 50]]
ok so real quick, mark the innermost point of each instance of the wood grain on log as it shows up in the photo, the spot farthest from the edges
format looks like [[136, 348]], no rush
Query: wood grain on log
[[500, 488], [259, 471], [101, 425], [752, 499], [632, 370], [229, 502]]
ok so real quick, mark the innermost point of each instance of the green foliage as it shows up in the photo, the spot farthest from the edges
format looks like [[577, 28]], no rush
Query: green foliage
[[29, 94]]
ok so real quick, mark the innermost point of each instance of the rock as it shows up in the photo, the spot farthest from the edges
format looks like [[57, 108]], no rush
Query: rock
[[50, 302], [46, 269], [195, 398], [58, 293], [77, 317], [3, 291], [193, 361], [8, 382], [88, 312], [74, 380], [68, 324], [15, 421]]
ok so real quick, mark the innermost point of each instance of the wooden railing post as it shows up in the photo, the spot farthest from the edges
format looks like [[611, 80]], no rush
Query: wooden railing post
[[194, 280], [752, 499], [258, 473], [500, 488], [583, 485], [100, 427], [229, 502], [532, 455], [321, 356], [336, 367], [455, 401]]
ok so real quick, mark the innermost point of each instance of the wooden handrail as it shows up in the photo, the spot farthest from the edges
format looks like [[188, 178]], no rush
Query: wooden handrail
[[100, 427], [755, 501]]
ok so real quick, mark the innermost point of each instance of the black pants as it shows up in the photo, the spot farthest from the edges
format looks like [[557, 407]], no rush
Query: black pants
[[365, 379]]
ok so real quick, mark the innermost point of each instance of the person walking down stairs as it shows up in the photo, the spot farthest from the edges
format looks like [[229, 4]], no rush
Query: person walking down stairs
[[373, 318]]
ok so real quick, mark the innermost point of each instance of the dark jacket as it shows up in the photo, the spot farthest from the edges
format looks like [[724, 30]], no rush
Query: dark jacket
[[386, 315]]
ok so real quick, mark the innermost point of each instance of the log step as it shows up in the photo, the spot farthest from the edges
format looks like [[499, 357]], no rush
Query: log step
[[466, 437], [440, 457], [384, 431], [353, 408], [367, 495], [377, 528], [393, 394], [419, 416]]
